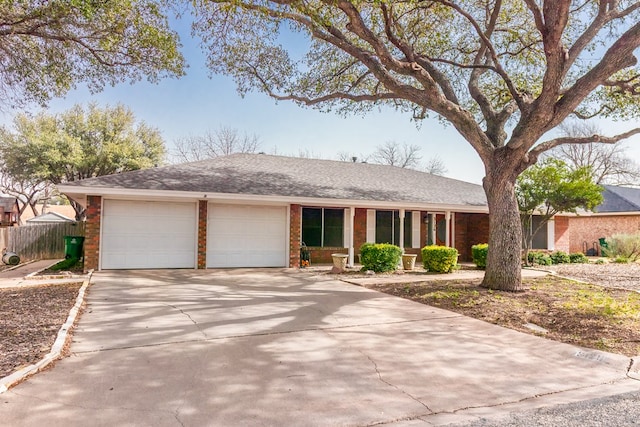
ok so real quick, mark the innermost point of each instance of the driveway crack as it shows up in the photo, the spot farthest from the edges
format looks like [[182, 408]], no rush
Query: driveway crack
[[375, 366], [190, 318]]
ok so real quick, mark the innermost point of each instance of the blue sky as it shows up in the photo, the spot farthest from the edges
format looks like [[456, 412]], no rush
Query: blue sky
[[199, 102]]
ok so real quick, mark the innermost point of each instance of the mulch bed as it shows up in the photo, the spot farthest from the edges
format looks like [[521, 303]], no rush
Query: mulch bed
[[30, 318]]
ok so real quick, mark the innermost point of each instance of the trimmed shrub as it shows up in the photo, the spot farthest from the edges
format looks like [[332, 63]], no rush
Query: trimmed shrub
[[623, 246], [539, 258], [380, 257], [439, 259], [559, 257], [479, 254], [578, 258]]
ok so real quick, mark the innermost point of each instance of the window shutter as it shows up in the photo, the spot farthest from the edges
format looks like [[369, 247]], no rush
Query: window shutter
[[371, 225], [415, 229]]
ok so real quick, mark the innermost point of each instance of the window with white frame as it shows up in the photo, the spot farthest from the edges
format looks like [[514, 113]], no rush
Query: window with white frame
[[388, 227], [323, 227]]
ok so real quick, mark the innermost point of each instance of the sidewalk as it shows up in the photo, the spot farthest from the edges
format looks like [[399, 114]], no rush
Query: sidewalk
[[22, 275]]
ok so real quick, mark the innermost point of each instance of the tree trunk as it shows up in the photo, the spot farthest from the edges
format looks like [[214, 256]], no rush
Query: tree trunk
[[504, 267]]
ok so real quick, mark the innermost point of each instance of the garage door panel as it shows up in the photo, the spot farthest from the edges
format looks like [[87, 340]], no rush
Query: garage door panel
[[246, 236], [140, 234]]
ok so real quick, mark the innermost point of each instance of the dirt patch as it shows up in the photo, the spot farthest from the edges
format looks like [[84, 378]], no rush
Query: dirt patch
[[31, 318], [582, 314]]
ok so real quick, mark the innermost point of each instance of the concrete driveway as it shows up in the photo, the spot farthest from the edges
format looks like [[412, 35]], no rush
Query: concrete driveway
[[280, 347]]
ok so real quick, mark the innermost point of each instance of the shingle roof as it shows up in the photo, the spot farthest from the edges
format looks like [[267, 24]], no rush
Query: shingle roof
[[261, 174], [619, 199]]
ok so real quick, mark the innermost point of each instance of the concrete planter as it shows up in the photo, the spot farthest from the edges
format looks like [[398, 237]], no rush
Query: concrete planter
[[340, 261], [409, 261]]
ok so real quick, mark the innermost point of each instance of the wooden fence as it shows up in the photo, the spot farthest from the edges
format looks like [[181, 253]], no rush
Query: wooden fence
[[44, 241]]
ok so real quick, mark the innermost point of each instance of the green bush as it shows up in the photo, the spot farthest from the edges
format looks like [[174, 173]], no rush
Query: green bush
[[439, 259], [620, 259], [479, 254], [559, 257], [623, 246], [380, 257], [600, 261], [578, 258], [539, 258]]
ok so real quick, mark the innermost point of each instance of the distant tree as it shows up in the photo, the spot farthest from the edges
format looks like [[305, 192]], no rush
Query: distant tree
[[28, 193], [610, 164], [552, 187], [48, 47], [221, 142], [394, 154], [435, 166], [77, 144]]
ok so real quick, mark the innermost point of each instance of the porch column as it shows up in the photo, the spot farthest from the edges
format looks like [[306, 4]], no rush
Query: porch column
[[447, 234], [401, 242], [352, 215], [453, 229]]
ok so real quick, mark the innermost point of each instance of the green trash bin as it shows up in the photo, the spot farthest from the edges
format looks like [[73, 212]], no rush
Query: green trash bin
[[73, 246], [603, 246]]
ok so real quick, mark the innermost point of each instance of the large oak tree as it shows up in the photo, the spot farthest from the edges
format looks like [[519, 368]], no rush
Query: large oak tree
[[502, 72]]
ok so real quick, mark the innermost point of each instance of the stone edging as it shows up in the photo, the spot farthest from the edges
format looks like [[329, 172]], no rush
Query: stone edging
[[56, 350]]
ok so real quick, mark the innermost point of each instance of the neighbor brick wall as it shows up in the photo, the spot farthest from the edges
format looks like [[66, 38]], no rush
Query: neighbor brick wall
[[295, 235], [203, 206], [92, 233], [562, 242], [590, 228]]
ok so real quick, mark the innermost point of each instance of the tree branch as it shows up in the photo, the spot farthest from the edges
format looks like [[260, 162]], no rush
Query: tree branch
[[547, 145]]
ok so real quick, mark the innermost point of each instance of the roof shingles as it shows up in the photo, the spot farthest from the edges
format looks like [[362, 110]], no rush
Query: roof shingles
[[267, 175]]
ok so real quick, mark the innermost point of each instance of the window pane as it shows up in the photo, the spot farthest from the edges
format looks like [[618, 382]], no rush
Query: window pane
[[407, 229], [334, 227], [384, 226], [312, 226]]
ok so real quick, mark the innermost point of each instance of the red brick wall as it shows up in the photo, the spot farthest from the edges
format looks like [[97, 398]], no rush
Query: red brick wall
[[590, 228], [562, 242], [92, 233], [295, 235], [203, 206], [471, 229], [359, 230]]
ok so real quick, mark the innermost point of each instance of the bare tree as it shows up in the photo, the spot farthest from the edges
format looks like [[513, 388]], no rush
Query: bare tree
[[610, 164], [28, 193], [394, 154], [221, 142], [435, 166]]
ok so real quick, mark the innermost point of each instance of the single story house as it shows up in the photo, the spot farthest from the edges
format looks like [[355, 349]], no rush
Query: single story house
[[619, 213], [255, 210], [9, 211]]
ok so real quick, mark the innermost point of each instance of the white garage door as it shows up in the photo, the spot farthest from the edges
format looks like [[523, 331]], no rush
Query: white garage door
[[148, 235], [246, 236]]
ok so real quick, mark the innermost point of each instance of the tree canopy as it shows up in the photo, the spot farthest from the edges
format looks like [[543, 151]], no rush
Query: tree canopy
[[502, 73], [48, 47], [77, 144], [550, 188]]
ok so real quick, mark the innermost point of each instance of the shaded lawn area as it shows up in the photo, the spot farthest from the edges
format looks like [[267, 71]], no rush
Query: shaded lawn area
[[30, 319], [572, 312]]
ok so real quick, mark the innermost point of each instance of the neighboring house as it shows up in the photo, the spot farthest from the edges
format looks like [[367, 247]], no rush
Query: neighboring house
[[64, 210], [49, 218], [254, 210], [618, 213], [9, 211]]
